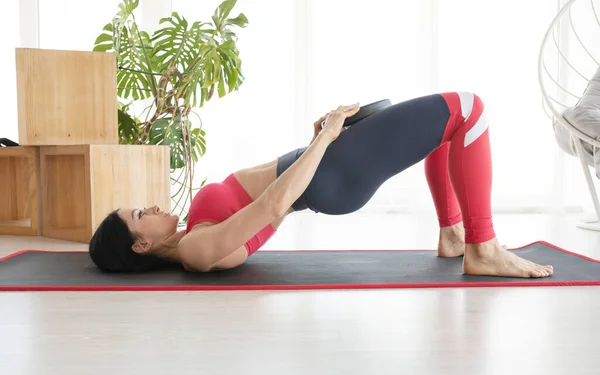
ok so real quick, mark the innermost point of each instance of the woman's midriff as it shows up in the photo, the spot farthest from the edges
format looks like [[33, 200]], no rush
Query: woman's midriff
[[255, 180]]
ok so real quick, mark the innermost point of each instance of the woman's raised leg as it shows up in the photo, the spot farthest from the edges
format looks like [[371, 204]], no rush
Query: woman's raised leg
[[398, 137], [470, 170], [451, 241]]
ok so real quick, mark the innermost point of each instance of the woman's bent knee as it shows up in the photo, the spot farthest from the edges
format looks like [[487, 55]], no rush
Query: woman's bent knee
[[470, 103]]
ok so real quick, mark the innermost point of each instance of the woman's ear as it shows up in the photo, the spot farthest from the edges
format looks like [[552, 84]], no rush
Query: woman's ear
[[140, 246]]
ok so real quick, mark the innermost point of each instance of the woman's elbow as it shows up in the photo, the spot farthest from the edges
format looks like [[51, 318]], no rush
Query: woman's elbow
[[275, 206], [196, 267], [280, 210]]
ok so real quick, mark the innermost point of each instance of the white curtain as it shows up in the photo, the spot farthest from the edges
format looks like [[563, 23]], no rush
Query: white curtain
[[302, 58], [9, 28]]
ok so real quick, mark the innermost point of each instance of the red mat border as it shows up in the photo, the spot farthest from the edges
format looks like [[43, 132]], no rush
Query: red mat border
[[310, 286]]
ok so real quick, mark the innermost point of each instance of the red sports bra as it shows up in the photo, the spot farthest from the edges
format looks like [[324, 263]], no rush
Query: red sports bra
[[215, 202]]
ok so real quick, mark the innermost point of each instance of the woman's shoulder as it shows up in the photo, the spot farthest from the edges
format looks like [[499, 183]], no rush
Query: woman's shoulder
[[200, 225], [191, 251]]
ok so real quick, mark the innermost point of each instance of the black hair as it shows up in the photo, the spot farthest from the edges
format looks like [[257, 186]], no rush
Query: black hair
[[111, 248]]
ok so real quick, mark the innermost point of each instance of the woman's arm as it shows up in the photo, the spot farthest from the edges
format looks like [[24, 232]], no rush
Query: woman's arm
[[317, 127], [201, 249], [284, 191]]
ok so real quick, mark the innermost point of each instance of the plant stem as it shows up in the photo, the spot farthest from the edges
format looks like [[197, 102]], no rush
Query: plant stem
[[150, 77]]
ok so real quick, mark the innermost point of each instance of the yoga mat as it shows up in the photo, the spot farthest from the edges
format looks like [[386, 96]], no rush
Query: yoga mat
[[275, 270]]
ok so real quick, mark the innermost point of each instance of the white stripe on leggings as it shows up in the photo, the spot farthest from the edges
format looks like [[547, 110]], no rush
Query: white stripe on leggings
[[466, 103], [477, 130]]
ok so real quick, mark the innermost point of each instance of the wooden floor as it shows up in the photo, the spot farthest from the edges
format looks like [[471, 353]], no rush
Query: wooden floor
[[541, 330]]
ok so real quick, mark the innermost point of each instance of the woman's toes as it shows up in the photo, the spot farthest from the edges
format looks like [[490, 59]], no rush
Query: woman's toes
[[544, 271]]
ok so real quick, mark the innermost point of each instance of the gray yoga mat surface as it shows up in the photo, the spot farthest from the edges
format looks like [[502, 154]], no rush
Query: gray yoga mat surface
[[40, 270]]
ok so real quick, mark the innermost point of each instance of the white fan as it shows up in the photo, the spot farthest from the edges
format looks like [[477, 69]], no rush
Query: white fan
[[566, 63]]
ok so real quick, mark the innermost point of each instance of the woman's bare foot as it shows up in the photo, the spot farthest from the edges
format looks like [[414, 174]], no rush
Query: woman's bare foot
[[452, 241], [491, 259]]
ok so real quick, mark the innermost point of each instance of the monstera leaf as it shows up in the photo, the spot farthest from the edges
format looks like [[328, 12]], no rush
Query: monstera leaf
[[180, 66], [216, 65], [170, 131], [221, 22], [203, 58], [133, 49], [129, 127], [176, 44], [188, 49], [198, 143]]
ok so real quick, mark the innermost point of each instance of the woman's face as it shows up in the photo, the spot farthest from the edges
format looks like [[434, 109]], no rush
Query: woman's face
[[151, 225]]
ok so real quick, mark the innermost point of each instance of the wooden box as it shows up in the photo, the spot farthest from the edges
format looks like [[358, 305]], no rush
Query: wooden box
[[82, 184], [66, 97], [19, 198]]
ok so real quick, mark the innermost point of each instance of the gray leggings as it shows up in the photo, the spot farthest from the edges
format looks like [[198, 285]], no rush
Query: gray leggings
[[369, 152]]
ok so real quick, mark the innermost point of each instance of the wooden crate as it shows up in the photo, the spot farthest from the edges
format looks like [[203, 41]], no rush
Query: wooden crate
[[82, 184], [19, 191], [66, 97]]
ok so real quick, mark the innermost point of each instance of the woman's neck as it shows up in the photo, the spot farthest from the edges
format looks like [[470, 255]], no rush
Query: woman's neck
[[168, 248]]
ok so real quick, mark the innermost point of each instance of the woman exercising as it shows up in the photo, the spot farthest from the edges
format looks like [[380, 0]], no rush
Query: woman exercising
[[336, 174]]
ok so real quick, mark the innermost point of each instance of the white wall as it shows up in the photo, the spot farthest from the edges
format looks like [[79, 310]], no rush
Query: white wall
[[304, 57]]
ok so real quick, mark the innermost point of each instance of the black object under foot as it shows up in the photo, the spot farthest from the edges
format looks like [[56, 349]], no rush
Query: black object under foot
[[5, 142]]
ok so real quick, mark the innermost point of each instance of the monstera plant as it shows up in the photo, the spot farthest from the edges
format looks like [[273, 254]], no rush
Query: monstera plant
[[170, 73]]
